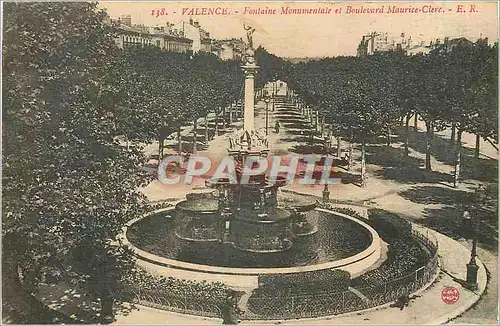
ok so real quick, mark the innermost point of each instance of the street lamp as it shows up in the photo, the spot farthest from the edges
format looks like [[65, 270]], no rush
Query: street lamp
[[274, 91], [326, 193], [267, 114], [472, 268]]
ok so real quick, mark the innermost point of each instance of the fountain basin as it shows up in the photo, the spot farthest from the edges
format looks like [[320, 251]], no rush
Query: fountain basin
[[245, 277], [298, 203]]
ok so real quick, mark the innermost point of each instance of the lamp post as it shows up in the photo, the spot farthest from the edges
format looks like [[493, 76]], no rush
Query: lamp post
[[326, 193], [274, 91], [472, 268], [267, 114]]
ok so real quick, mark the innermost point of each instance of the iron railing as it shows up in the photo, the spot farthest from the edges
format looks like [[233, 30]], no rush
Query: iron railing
[[298, 306], [207, 306], [355, 299]]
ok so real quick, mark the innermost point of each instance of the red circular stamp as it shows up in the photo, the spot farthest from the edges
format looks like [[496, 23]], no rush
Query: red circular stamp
[[450, 295]]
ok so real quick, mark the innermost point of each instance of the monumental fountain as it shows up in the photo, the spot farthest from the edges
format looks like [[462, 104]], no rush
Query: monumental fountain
[[243, 227], [238, 233]]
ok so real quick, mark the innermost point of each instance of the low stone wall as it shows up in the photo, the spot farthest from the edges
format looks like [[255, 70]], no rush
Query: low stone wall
[[302, 306]]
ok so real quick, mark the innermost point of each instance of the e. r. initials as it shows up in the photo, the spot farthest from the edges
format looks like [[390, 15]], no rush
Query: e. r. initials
[[472, 8]]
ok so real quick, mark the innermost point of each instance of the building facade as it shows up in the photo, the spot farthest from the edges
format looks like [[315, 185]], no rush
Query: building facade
[[230, 49], [163, 37], [193, 31], [382, 42], [180, 37]]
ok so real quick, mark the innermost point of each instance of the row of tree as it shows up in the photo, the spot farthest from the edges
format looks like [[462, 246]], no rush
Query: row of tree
[[159, 92], [368, 97]]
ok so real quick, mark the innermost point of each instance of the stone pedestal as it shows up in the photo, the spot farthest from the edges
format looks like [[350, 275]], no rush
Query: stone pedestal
[[248, 141], [471, 280]]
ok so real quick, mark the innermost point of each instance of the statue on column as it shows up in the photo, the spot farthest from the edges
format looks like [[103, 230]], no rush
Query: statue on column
[[250, 31], [249, 56]]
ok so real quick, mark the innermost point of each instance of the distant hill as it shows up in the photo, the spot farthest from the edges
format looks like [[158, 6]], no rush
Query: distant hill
[[297, 60]]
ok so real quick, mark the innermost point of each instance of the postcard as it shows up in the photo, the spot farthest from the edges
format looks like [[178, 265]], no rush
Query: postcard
[[250, 162]]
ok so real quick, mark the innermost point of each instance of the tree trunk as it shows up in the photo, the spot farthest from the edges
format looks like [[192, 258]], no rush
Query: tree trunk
[[216, 129], [195, 136], [12, 291], [476, 151], [107, 309], [223, 118], [322, 126], [428, 146], [456, 178], [161, 146], [407, 134], [235, 109], [206, 130], [363, 164], [415, 123], [15, 296], [349, 161], [128, 143], [339, 147], [330, 135], [159, 150], [453, 129], [388, 136], [231, 112], [179, 141]]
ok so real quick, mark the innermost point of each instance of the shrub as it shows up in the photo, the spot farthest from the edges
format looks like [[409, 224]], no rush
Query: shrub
[[303, 283], [389, 225]]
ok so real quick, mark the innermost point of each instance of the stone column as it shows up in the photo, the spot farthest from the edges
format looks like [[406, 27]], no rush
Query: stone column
[[248, 118]]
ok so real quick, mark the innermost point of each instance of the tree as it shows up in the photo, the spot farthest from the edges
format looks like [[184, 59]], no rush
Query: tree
[[485, 92], [405, 77], [468, 94], [68, 184], [429, 89]]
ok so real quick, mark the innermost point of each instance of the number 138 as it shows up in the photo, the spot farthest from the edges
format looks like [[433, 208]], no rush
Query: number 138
[[159, 12]]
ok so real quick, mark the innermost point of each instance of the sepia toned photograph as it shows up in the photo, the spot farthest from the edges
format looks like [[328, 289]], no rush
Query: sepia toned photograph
[[250, 162]]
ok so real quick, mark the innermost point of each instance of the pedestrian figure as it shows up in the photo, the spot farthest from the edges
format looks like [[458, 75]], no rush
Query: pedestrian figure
[[403, 301], [277, 127], [230, 310]]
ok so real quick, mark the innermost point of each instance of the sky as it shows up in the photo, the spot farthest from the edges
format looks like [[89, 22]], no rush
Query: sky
[[318, 35]]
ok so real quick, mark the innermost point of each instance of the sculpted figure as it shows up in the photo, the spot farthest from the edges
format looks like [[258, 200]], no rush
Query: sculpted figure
[[250, 31]]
